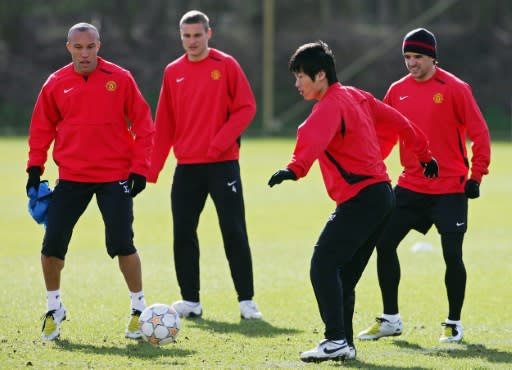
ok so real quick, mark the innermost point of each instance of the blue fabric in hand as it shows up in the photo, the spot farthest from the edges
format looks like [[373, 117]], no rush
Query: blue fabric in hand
[[38, 202]]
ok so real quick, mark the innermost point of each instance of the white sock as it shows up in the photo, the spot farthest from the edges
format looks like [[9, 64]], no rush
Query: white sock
[[191, 304], [53, 299], [138, 302], [391, 318], [456, 322]]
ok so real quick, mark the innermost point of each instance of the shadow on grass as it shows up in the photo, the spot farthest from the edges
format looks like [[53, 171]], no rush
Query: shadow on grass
[[250, 328], [137, 349], [357, 364], [461, 350]]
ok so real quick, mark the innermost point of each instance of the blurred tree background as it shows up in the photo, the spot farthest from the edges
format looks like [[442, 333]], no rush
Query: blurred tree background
[[474, 42]]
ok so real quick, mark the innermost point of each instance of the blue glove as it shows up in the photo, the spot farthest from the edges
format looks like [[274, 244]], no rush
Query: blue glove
[[38, 202]]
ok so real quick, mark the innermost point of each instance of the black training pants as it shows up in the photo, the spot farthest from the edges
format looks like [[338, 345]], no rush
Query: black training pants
[[342, 253], [192, 183]]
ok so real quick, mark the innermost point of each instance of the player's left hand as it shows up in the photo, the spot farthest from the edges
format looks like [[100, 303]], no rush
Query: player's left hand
[[281, 175], [430, 169], [137, 183], [34, 178], [472, 189]]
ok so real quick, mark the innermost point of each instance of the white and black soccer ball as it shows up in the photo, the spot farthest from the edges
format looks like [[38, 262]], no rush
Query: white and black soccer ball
[[159, 324]]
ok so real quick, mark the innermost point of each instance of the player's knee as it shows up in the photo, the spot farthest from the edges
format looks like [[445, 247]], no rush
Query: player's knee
[[120, 249], [55, 245], [452, 248]]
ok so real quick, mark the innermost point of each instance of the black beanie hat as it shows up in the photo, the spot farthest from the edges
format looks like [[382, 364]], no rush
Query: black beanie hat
[[420, 41]]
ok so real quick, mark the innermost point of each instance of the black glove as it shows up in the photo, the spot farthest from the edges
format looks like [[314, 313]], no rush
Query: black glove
[[137, 183], [280, 176], [472, 189], [34, 178], [431, 169]]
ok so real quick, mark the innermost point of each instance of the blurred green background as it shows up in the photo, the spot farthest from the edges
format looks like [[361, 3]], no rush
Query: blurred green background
[[474, 42]]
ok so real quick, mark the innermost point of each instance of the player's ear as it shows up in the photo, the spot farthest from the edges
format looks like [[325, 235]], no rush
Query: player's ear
[[320, 76]]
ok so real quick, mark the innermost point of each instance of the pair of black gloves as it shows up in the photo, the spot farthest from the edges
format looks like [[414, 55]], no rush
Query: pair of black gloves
[[430, 170], [471, 188], [136, 182]]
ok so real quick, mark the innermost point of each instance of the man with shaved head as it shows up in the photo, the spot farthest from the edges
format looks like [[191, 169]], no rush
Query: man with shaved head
[[102, 133]]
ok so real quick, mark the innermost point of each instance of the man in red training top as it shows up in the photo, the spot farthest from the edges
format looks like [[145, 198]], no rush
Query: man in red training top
[[205, 105], [102, 133], [443, 107], [343, 132]]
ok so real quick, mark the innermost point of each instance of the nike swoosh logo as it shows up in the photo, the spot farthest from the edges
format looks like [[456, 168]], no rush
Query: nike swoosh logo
[[459, 224], [404, 97], [178, 80], [232, 183], [68, 90], [328, 351], [123, 182]]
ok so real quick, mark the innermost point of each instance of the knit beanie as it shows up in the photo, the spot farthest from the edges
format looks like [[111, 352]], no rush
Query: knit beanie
[[420, 41]]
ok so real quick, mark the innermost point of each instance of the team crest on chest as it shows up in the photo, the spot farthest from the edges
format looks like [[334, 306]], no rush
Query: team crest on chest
[[111, 86], [438, 98], [215, 75]]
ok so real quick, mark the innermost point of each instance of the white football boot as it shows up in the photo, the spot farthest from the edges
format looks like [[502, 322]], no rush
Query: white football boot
[[336, 350], [188, 309], [51, 323], [249, 310], [381, 328]]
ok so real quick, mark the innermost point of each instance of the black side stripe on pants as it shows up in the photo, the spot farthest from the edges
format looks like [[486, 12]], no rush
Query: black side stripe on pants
[[351, 178]]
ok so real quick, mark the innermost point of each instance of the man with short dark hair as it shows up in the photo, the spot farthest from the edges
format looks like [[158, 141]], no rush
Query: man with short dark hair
[[344, 133], [102, 131]]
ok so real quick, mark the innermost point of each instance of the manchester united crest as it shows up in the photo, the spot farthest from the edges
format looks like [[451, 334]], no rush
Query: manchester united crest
[[438, 98], [215, 75], [111, 86]]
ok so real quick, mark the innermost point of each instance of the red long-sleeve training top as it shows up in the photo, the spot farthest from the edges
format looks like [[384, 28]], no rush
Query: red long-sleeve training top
[[101, 125], [204, 107], [348, 132], [444, 108]]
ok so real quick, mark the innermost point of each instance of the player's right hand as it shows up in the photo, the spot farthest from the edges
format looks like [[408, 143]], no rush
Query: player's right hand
[[431, 169], [281, 175]]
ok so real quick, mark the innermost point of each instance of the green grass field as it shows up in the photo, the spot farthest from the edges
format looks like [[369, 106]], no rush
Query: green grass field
[[283, 224]]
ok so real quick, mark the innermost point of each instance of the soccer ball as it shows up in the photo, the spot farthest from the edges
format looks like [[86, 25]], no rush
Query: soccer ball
[[159, 324]]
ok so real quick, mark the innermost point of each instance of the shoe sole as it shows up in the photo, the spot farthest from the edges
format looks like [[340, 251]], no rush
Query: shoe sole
[[322, 359], [134, 337], [250, 318], [382, 336], [192, 315], [450, 340], [50, 338]]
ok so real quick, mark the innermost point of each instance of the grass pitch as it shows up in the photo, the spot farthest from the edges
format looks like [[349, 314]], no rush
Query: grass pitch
[[283, 224]]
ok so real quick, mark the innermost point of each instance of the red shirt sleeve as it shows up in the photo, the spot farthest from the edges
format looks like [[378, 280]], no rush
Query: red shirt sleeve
[[139, 115], [242, 108], [165, 129], [42, 127], [391, 125], [313, 137], [477, 131]]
